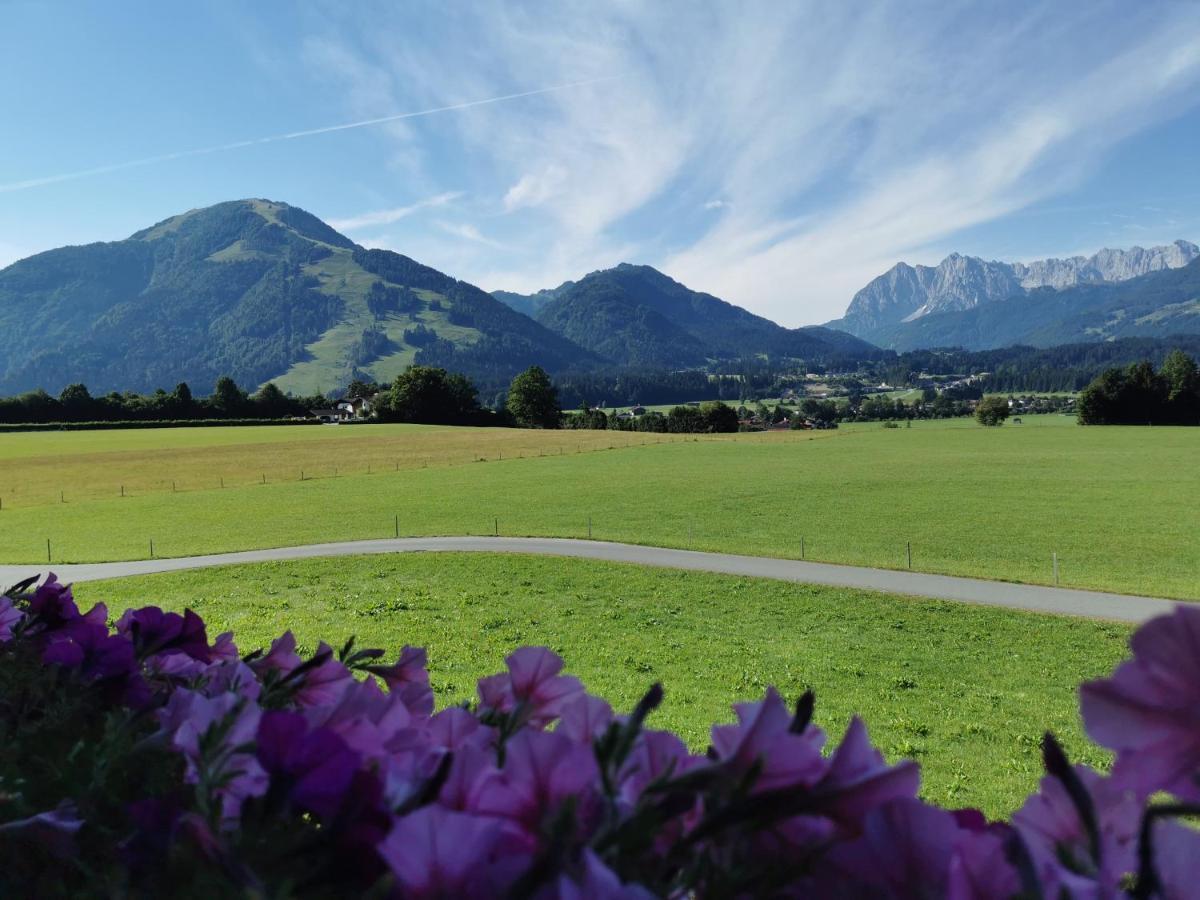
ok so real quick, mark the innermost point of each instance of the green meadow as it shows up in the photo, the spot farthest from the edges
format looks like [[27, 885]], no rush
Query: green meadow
[[967, 691], [1118, 505]]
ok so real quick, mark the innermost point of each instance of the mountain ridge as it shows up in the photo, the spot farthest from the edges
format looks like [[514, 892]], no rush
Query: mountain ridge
[[256, 289], [1159, 304], [637, 315], [907, 293]]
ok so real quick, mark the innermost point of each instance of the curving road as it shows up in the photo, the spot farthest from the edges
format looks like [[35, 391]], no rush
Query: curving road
[[1060, 601]]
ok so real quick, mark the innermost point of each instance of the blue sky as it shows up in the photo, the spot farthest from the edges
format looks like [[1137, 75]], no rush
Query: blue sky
[[778, 155]]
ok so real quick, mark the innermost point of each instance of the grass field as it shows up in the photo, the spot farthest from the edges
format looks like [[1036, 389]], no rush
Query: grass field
[[1118, 505], [965, 690]]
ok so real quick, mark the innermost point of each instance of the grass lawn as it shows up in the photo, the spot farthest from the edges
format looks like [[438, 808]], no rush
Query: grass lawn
[[966, 690], [1118, 505]]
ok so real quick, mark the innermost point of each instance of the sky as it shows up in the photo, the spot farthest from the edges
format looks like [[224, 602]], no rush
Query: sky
[[778, 155]]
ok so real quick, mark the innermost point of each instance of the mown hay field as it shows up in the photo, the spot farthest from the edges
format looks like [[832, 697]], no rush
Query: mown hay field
[[1118, 505]]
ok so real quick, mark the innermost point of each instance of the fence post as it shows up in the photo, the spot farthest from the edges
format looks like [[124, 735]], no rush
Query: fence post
[[589, 528], [908, 547], [802, 546], [496, 527], [47, 549], [152, 548], [397, 525], [1054, 556]]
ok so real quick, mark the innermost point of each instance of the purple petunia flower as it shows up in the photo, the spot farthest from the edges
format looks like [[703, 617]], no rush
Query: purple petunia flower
[[763, 737], [52, 609], [188, 717], [154, 631], [9, 616], [585, 718], [55, 830], [408, 678], [905, 850], [541, 771], [1060, 845], [368, 720], [436, 852], [1176, 860], [532, 684], [596, 881], [1149, 710], [99, 657], [315, 767], [859, 779]]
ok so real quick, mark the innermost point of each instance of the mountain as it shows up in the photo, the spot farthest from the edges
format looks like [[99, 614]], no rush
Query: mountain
[[637, 316], [1156, 305], [526, 304], [907, 293], [257, 290]]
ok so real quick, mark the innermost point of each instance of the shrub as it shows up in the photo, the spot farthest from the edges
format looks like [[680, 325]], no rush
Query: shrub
[[143, 759]]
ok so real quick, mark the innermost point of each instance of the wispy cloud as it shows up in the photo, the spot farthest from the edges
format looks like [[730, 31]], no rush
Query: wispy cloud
[[289, 136], [395, 214], [779, 155], [469, 232]]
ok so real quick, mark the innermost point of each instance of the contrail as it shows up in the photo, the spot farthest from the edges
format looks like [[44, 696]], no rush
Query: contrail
[[290, 136]]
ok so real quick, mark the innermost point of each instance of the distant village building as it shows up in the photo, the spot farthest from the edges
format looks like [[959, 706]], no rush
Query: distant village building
[[331, 415]]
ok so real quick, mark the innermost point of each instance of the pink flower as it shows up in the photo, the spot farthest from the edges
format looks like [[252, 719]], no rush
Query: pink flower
[[532, 686], [1060, 844], [1149, 710]]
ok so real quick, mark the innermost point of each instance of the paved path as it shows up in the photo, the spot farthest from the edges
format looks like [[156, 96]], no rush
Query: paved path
[[1063, 601]]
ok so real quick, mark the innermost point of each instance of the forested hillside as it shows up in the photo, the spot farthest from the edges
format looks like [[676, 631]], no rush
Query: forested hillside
[[256, 290]]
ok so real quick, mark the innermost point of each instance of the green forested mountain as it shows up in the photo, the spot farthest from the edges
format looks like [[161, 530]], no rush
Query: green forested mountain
[[257, 290], [1155, 305], [636, 315]]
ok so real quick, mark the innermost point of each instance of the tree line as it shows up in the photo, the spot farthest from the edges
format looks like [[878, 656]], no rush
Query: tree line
[[228, 401], [1141, 395]]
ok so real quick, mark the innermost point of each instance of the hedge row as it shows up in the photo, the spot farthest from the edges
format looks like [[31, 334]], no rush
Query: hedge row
[[161, 423]]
